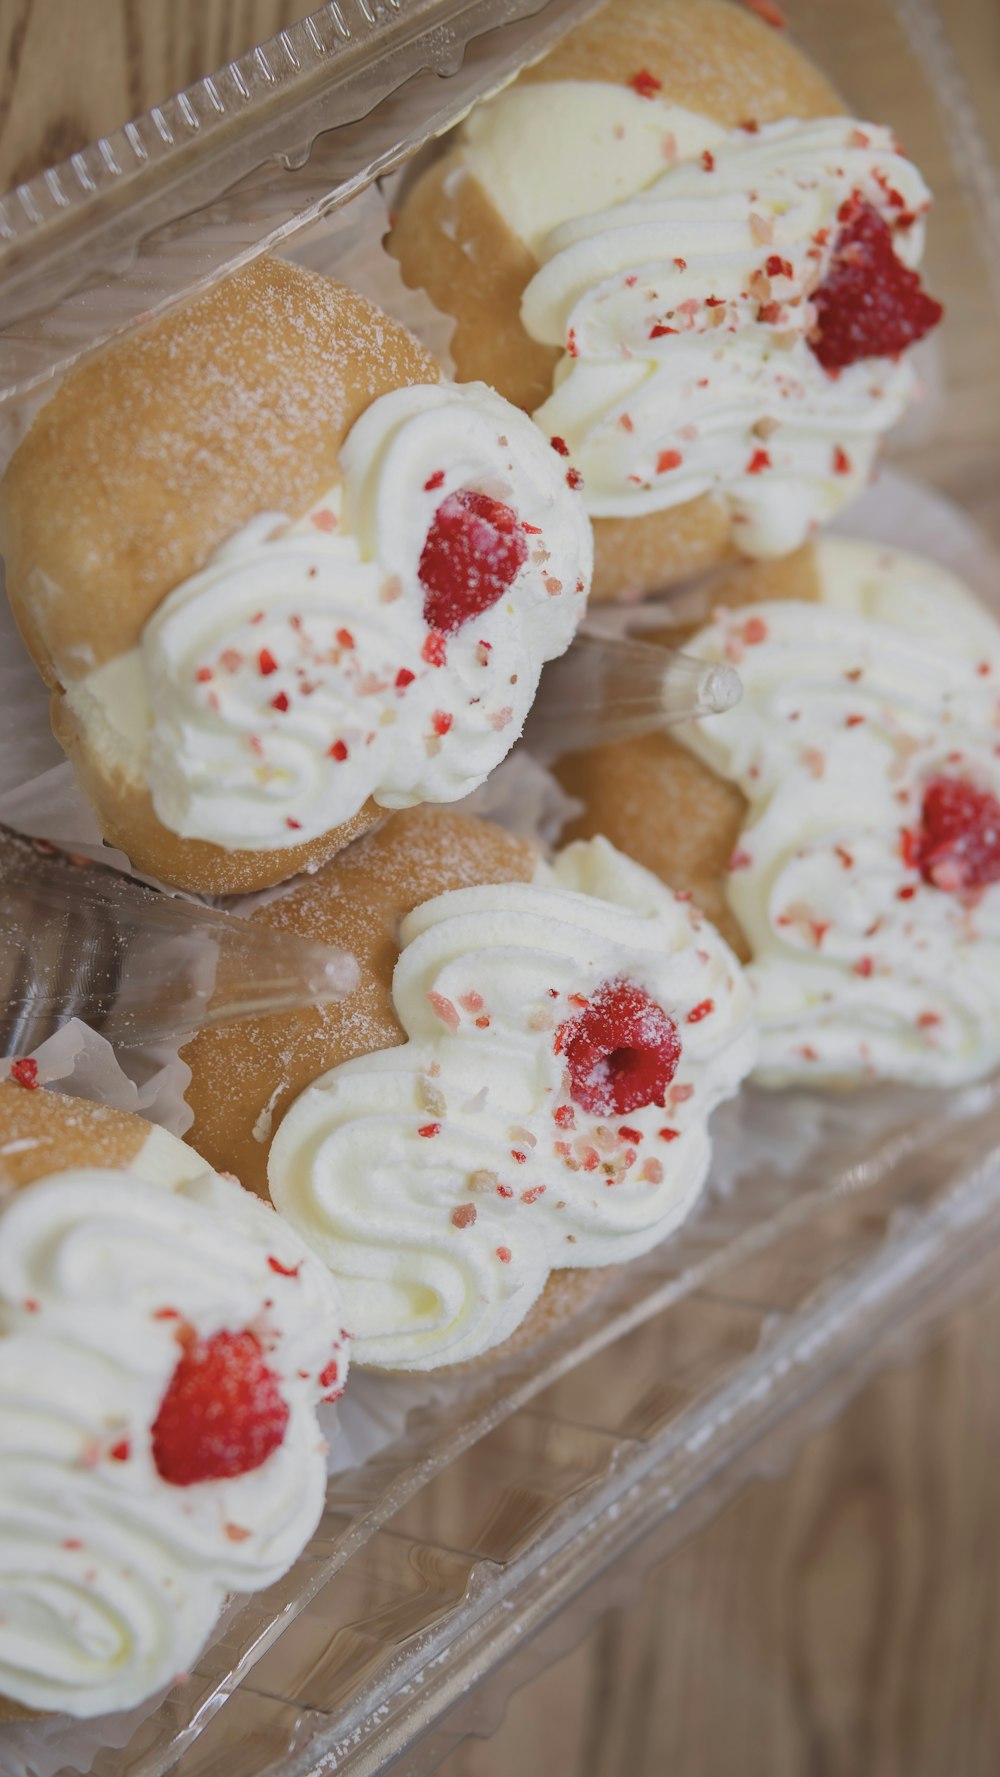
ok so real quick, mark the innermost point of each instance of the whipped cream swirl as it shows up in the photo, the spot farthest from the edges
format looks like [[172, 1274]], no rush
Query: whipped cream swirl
[[684, 310], [111, 1577], [297, 674], [444, 1179], [862, 969]]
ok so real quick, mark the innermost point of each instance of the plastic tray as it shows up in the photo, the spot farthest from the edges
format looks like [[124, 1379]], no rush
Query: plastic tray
[[830, 1223]]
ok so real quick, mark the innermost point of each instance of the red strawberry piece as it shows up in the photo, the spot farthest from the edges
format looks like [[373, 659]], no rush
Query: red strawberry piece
[[622, 1051], [869, 305], [475, 548], [958, 844], [24, 1072], [222, 1415]]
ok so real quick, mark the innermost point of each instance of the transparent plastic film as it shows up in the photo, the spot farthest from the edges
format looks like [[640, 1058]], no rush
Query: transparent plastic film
[[80, 941], [610, 687]]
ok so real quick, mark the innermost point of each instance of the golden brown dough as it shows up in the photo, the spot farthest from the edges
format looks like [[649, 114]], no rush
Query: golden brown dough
[[653, 798], [710, 57]]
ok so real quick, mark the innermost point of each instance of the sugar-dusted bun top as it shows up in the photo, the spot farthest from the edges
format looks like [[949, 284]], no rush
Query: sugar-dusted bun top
[[164, 1342], [150, 455], [708, 56]]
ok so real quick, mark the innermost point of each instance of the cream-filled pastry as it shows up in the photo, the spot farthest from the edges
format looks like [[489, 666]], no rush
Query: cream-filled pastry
[[519, 1095], [847, 811], [292, 578], [698, 273], [164, 1342]]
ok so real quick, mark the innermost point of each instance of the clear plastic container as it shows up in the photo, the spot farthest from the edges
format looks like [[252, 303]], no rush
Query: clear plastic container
[[468, 1511]]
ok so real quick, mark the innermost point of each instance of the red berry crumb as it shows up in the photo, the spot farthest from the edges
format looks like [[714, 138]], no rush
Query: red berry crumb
[[700, 1011], [667, 460], [24, 1072], [574, 479], [434, 481], [223, 1413], [776, 267], [958, 845], [338, 751], [441, 721], [645, 84], [841, 461], [869, 305], [622, 1051], [404, 677], [560, 446], [758, 462], [266, 662], [475, 549]]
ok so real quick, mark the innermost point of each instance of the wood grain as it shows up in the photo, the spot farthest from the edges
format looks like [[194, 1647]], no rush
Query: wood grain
[[843, 1621], [71, 70]]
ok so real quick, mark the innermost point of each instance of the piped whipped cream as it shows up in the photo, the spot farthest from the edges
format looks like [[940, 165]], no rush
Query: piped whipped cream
[[676, 273], [110, 1576], [442, 1180], [297, 674], [863, 967]]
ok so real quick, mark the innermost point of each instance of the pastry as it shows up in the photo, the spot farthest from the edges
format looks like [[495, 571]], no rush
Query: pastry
[[164, 1342], [290, 578], [518, 1095], [668, 243], [843, 820]]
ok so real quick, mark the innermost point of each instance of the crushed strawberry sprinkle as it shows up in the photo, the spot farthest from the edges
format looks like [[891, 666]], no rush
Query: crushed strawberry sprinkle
[[427, 1130], [504, 1254], [345, 638], [769, 11], [574, 479], [121, 1451], [621, 1051], [283, 1270], [24, 1072], [441, 721], [708, 160], [280, 702], [560, 445], [776, 267], [659, 329], [667, 460], [464, 1215], [958, 845], [700, 1011], [266, 663], [758, 462], [645, 84], [434, 481], [841, 461], [475, 549], [339, 750], [869, 304], [223, 1413]]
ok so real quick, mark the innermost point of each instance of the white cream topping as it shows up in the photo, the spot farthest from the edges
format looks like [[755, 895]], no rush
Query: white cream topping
[[688, 369], [297, 675], [861, 968], [111, 1577], [444, 1179]]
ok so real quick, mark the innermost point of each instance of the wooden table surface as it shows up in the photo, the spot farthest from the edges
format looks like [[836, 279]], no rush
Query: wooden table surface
[[844, 1620]]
